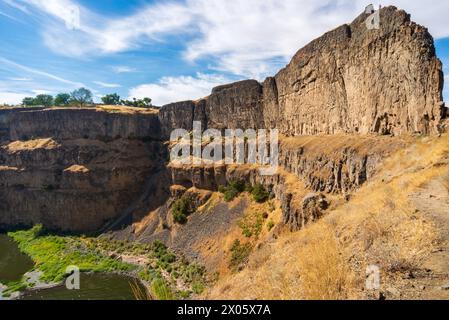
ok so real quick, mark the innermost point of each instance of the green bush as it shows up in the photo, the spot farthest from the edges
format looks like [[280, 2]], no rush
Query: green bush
[[248, 187], [230, 194], [181, 210], [237, 185], [239, 254], [161, 290], [198, 287], [260, 194], [232, 190], [251, 225]]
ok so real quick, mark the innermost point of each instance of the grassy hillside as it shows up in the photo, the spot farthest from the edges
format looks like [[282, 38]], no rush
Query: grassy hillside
[[379, 225]]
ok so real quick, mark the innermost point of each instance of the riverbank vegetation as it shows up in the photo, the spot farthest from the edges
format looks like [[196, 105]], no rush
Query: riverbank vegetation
[[167, 275]]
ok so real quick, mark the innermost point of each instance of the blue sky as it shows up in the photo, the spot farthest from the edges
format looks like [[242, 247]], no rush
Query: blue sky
[[168, 50]]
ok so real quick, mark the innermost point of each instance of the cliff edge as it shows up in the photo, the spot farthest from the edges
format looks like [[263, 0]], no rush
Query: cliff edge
[[350, 80]]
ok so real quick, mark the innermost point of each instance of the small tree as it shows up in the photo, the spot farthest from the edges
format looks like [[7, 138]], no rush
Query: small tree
[[138, 103], [62, 99], [28, 101], [82, 96], [43, 100], [146, 103], [260, 194], [111, 99]]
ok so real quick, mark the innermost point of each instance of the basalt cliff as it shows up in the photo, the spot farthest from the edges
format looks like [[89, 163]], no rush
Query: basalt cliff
[[345, 102]]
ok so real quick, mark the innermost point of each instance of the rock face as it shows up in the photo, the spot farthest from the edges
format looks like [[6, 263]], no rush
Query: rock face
[[72, 124], [356, 80], [235, 106], [176, 116], [350, 80], [331, 165], [74, 170]]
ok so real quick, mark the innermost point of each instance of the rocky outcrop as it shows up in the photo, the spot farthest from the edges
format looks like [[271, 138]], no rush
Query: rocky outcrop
[[355, 80], [179, 115], [350, 80], [235, 106], [321, 164], [87, 123]]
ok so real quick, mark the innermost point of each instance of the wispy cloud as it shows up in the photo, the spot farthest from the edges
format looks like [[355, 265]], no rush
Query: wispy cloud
[[39, 72], [170, 89], [241, 39], [107, 85], [20, 79], [123, 69], [97, 34], [17, 5], [10, 17], [251, 38]]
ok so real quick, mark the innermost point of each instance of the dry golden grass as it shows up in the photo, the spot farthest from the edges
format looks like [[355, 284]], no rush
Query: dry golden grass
[[140, 293], [305, 265], [326, 145], [446, 181], [328, 259], [46, 143], [125, 109]]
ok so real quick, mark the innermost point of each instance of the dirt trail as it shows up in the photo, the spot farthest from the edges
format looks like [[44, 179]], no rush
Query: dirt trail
[[433, 201]]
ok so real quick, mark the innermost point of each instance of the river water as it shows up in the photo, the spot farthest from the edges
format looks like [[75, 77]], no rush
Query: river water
[[13, 263], [95, 286]]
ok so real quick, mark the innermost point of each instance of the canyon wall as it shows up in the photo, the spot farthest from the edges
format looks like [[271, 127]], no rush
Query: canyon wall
[[74, 169], [80, 169], [308, 165]]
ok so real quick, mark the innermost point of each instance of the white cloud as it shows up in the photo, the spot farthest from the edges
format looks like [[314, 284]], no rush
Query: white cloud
[[11, 97], [20, 79], [97, 34], [250, 38], [123, 69], [40, 91], [172, 89], [107, 85], [15, 4]]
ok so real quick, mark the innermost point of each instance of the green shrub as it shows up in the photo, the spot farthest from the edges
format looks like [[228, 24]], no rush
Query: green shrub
[[248, 187], [270, 225], [232, 190], [161, 289], [260, 194], [181, 210], [230, 194], [237, 185], [198, 287], [239, 254], [251, 225]]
